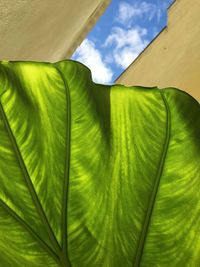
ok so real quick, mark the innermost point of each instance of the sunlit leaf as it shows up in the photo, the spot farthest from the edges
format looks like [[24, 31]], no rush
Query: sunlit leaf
[[96, 175]]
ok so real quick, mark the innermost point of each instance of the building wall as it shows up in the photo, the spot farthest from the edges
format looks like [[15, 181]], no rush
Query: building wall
[[172, 59], [46, 30]]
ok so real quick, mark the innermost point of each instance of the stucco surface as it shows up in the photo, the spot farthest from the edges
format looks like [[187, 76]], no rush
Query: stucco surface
[[46, 30], [173, 58]]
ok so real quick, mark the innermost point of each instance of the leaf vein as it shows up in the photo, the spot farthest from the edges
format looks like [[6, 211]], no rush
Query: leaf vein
[[156, 184], [29, 183], [65, 257], [29, 229]]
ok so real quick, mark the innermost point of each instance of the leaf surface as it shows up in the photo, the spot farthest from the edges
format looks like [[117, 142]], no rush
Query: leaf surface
[[96, 175]]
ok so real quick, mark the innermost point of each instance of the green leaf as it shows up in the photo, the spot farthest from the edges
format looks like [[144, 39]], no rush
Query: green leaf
[[96, 175]]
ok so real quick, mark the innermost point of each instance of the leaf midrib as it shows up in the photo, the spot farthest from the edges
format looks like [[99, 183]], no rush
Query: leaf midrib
[[156, 184], [67, 169]]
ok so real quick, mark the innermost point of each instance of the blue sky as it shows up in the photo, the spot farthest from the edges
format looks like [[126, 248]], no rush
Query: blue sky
[[120, 35]]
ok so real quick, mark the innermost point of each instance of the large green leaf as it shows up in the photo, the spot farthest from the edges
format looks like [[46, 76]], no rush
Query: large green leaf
[[94, 175]]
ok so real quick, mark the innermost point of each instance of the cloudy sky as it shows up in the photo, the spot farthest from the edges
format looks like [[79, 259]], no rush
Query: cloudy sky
[[120, 35]]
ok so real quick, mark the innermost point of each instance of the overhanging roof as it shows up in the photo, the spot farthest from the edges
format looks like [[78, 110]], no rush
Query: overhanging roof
[[46, 30]]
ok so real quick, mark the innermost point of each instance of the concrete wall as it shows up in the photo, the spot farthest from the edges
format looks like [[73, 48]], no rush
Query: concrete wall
[[46, 30], [172, 59]]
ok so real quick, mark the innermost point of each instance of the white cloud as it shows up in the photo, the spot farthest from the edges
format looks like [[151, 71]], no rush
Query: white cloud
[[123, 37], [128, 11], [87, 54], [127, 44], [125, 57]]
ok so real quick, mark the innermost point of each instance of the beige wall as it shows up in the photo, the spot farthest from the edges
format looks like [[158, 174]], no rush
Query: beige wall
[[173, 58], [46, 30]]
